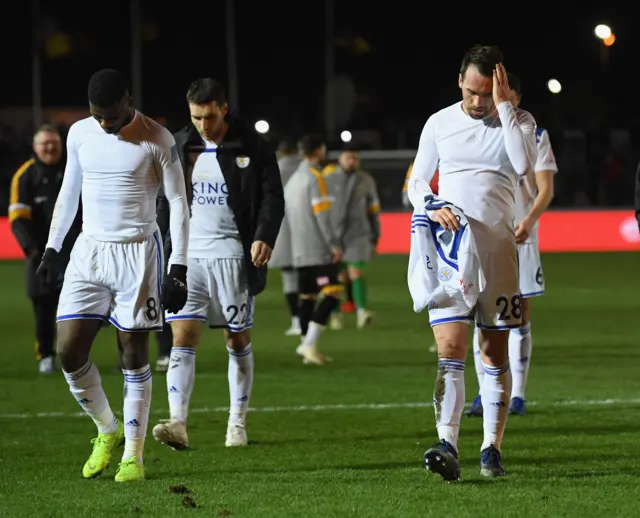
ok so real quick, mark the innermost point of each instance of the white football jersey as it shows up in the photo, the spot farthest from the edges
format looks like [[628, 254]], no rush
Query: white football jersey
[[213, 233], [119, 176], [479, 162], [527, 189]]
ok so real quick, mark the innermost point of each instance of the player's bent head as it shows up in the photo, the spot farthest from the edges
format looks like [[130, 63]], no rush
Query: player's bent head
[[476, 79], [208, 106], [516, 88], [313, 147], [349, 159], [109, 99]]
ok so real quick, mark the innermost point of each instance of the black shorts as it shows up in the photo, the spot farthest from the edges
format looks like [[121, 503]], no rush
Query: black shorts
[[315, 279]]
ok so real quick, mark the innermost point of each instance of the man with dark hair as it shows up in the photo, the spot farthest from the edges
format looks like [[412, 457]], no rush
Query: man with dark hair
[[34, 190], [237, 206], [357, 220], [533, 196], [288, 162], [481, 147], [316, 248], [116, 158]]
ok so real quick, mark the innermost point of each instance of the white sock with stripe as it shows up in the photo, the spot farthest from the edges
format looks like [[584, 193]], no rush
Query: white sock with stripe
[[496, 395], [181, 377], [137, 401], [477, 359], [448, 399], [520, 346], [240, 382], [86, 386]]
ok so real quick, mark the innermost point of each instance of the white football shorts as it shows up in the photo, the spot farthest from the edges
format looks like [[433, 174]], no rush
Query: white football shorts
[[499, 305], [120, 283], [218, 294], [531, 276]]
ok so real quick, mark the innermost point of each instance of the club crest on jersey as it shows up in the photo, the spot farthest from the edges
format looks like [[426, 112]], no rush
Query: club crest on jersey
[[242, 161], [445, 273]]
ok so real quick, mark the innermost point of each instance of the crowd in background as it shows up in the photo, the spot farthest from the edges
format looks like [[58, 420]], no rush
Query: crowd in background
[[596, 168]]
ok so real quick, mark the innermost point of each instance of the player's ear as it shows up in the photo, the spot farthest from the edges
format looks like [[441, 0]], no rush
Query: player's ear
[[460, 81], [225, 109]]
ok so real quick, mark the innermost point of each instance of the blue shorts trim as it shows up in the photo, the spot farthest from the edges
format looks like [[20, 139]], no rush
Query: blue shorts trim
[[199, 318], [82, 316], [130, 330], [498, 328], [533, 294], [447, 320]]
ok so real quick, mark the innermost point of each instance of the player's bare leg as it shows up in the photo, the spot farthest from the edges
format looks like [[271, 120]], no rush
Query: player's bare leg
[[496, 394], [75, 338], [448, 398], [180, 381], [313, 321], [520, 359], [137, 402], [359, 285], [240, 376]]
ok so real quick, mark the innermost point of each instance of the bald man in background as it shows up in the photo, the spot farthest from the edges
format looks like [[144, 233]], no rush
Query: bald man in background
[[34, 190]]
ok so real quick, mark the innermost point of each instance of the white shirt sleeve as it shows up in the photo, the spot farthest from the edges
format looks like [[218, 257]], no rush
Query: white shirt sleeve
[[546, 160], [172, 178], [66, 208], [519, 130], [424, 166]]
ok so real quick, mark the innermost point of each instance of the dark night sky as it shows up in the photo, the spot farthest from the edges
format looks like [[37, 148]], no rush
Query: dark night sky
[[410, 71]]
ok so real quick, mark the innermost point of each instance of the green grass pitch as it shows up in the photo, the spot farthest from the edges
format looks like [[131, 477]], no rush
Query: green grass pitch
[[347, 439]]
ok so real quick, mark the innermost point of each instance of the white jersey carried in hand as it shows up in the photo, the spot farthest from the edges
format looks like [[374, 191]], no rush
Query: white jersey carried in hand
[[527, 190], [479, 162], [119, 176], [214, 233]]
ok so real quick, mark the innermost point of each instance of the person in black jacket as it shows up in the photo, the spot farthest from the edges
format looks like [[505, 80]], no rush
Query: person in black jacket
[[34, 190], [237, 207]]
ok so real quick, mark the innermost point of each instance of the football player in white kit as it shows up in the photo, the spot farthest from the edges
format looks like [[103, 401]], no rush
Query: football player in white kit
[[480, 147], [116, 159], [533, 197], [236, 213]]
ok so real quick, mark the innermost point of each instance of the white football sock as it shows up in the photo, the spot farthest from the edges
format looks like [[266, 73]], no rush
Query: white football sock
[[240, 382], [496, 395], [86, 386], [295, 322], [477, 359], [313, 334], [448, 399], [181, 377], [520, 345], [137, 401]]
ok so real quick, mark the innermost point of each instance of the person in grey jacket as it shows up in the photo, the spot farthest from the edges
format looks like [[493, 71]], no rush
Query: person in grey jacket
[[316, 249], [288, 162], [357, 219]]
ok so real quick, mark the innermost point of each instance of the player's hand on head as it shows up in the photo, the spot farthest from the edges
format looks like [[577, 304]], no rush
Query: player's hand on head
[[48, 272], [447, 219], [260, 253], [501, 90], [174, 291]]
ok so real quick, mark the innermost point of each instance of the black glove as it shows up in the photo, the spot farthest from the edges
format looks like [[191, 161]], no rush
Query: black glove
[[49, 270], [174, 289]]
